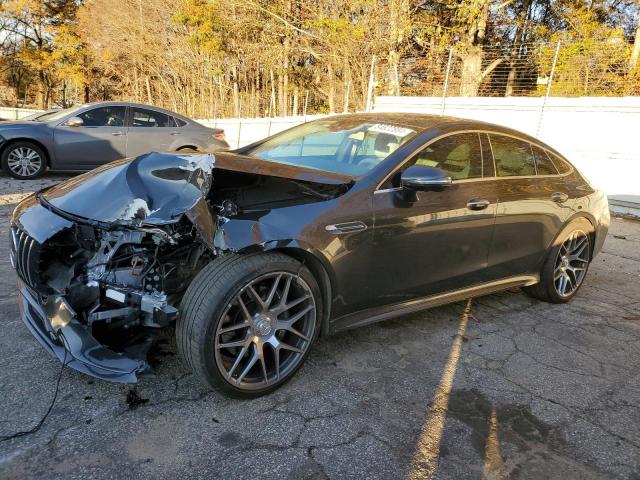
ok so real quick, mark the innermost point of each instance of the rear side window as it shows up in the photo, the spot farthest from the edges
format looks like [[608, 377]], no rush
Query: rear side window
[[179, 123], [561, 165], [543, 163], [513, 157], [459, 155], [148, 118]]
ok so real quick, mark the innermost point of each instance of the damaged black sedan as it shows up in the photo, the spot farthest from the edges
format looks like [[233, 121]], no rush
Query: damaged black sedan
[[252, 255]]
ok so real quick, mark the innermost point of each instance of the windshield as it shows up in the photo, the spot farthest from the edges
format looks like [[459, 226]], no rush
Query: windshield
[[344, 146], [57, 115]]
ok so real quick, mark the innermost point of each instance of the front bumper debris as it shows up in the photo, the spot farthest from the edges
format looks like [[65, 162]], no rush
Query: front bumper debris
[[54, 324]]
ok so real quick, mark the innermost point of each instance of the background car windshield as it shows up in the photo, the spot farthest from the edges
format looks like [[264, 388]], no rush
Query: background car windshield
[[60, 114], [340, 146]]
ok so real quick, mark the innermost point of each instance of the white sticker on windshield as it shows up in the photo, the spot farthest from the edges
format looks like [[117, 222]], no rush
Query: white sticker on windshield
[[390, 129]]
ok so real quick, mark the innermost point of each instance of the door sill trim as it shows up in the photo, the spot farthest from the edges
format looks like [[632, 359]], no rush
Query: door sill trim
[[378, 314]]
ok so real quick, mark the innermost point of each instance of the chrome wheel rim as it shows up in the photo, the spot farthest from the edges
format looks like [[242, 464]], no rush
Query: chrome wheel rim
[[571, 264], [265, 330], [24, 161]]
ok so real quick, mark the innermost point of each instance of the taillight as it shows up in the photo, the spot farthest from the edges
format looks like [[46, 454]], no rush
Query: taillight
[[219, 136]]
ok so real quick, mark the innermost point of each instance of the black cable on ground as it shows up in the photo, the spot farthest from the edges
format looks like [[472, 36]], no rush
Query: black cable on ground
[[38, 425]]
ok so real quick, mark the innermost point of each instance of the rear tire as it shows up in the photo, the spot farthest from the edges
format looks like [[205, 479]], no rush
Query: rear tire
[[566, 265], [24, 160], [238, 328]]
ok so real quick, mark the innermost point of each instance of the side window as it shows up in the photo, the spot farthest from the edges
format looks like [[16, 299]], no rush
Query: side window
[[459, 155], [543, 164], [561, 165], [179, 123], [513, 157], [103, 117], [149, 118]]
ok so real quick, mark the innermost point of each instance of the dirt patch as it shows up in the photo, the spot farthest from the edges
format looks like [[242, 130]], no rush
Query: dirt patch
[[134, 400]]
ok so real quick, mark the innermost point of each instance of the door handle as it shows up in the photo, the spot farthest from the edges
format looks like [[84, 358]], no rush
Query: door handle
[[117, 134], [478, 204], [559, 197], [175, 133]]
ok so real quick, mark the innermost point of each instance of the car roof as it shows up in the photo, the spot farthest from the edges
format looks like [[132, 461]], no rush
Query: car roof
[[424, 122]]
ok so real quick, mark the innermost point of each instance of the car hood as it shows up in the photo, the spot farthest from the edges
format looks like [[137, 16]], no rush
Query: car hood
[[158, 188], [6, 124]]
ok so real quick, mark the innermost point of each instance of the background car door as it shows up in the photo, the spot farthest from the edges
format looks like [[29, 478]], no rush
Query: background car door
[[150, 131], [440, 242], [102, 138], [534, 202]]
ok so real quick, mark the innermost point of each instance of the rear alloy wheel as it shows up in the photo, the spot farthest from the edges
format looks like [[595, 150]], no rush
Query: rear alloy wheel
[[248, 322], [571, 264], [24, 160], [565, 268]]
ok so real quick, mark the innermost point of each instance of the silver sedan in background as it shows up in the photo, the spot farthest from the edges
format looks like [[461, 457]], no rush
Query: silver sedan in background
[[84, 137]]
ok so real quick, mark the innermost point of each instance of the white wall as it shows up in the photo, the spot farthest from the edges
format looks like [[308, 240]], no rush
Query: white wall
[[600, 135], [243, 131], [9, 113]]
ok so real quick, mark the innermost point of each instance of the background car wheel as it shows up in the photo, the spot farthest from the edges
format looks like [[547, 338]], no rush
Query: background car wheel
[[566, 266], [247, 322], [24, 160]]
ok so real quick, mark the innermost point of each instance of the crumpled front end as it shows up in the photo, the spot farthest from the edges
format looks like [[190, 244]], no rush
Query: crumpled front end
[[105, 257], [94, 292]]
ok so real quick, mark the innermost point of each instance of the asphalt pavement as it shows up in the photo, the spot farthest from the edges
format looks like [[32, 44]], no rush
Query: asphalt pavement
[[502, 386]]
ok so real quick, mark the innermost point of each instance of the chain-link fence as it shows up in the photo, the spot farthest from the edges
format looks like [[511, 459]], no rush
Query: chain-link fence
[[567, 69]]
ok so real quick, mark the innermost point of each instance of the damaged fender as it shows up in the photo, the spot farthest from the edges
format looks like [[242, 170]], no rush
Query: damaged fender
[[153, 189]]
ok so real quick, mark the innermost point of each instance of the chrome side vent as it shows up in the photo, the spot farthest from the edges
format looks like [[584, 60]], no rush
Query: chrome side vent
[[347, 227]]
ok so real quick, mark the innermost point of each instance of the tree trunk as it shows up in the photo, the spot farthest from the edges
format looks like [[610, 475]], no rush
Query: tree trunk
[[236, 92], [272, 104], [294, 111], [280, 95], [146, 82], [332, 89], [471, 72], [345, 105], [472, 75], [518, 38], [635, 53]]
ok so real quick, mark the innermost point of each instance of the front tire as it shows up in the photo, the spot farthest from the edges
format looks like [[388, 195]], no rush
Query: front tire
[[24, 160], [248, 322], [565, 267]]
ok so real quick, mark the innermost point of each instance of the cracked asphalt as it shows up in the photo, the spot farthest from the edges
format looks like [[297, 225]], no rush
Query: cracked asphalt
[[500, 387]]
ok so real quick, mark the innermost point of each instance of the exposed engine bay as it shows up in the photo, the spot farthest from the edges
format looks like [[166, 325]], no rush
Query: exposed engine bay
[[109, 274]]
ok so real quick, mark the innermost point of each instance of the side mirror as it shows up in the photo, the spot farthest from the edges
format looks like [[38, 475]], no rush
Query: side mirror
[[74, 122], [420, 178]]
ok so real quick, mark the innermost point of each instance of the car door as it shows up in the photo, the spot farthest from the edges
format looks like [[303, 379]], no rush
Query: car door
[[534, 201], [441, 241], [100, 139], [150, 131]]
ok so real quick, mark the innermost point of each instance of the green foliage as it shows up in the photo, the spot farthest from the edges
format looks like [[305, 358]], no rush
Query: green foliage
[[592, 57], [274, 57]]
